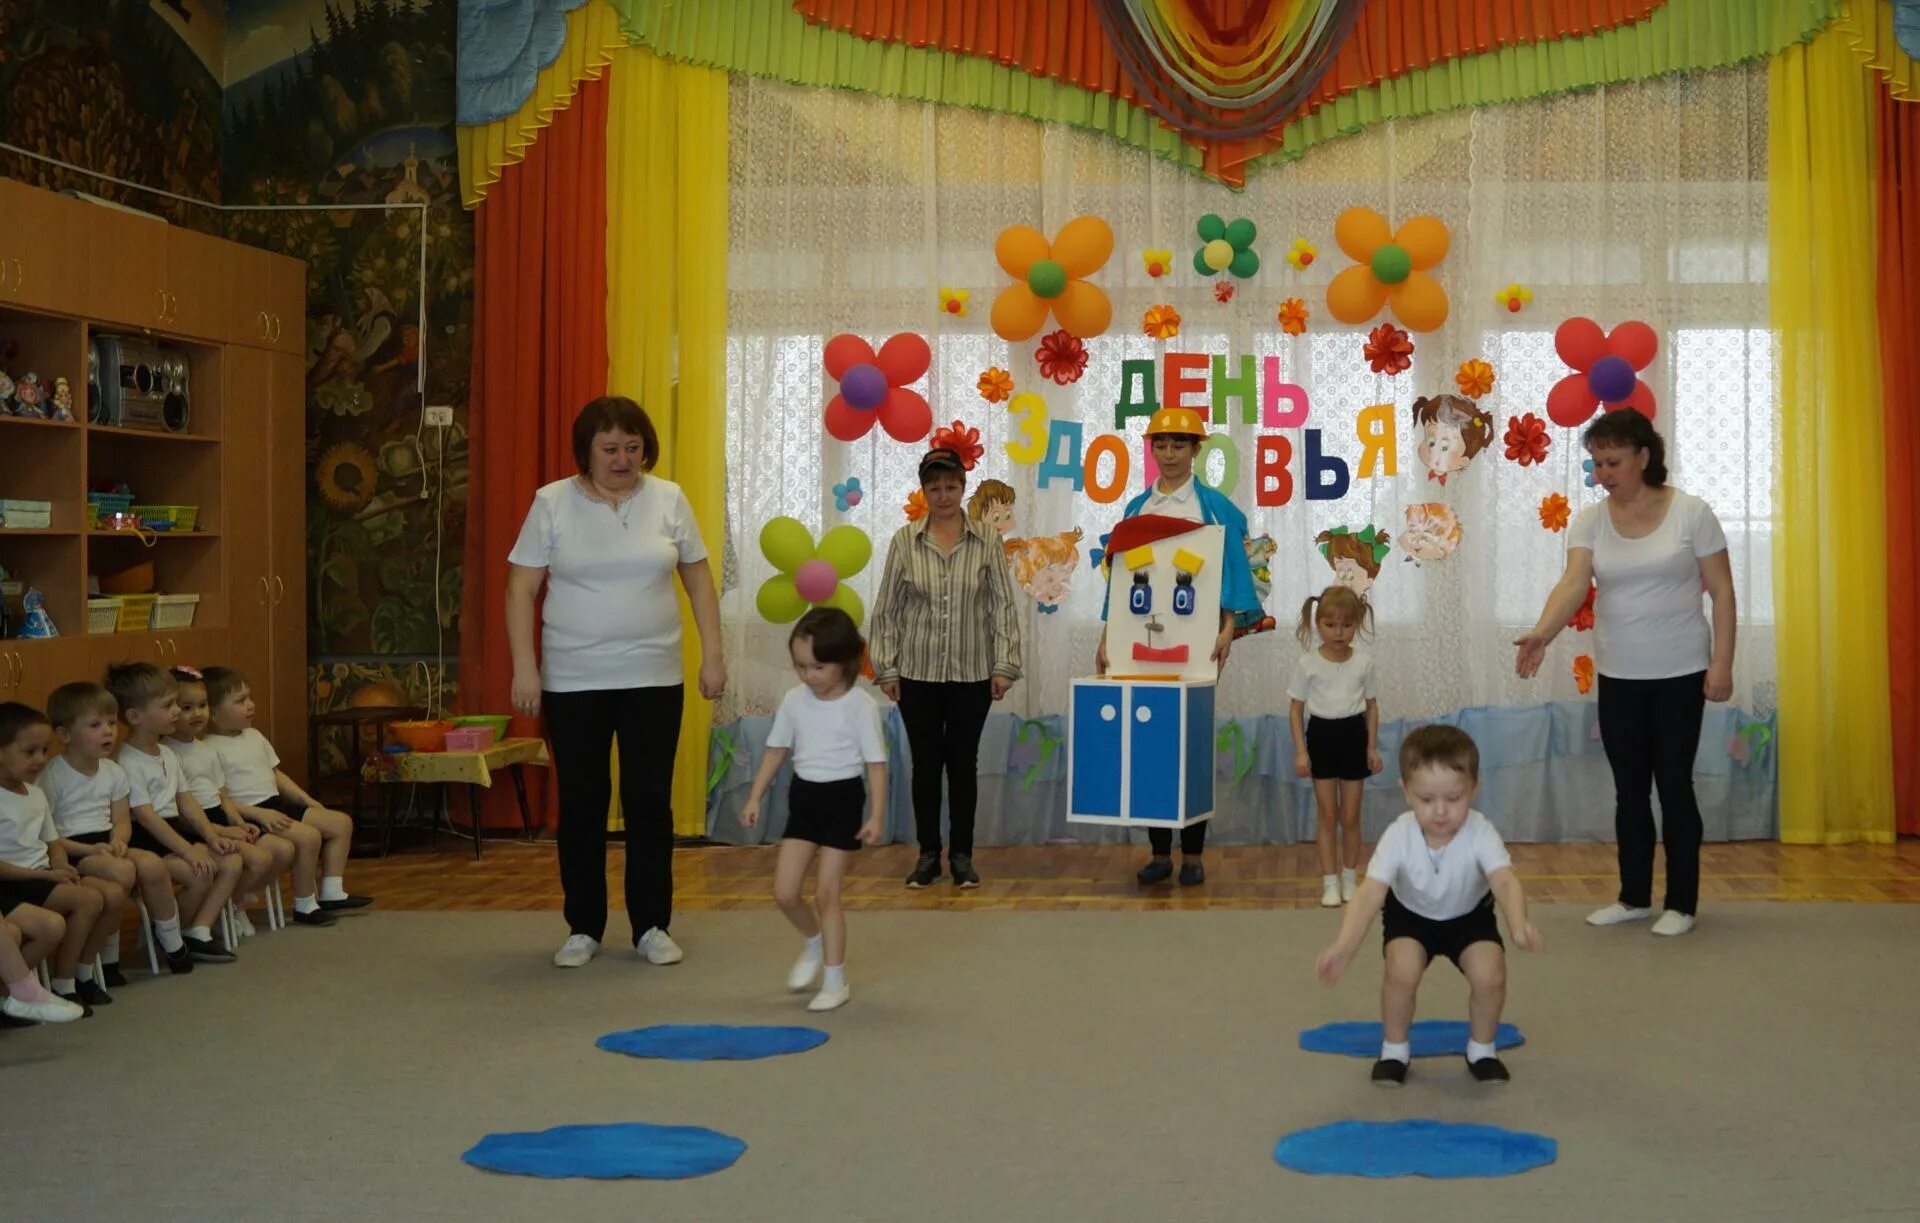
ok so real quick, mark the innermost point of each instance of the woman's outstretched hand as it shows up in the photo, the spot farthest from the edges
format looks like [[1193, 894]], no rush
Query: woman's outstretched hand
[[1532, 652]]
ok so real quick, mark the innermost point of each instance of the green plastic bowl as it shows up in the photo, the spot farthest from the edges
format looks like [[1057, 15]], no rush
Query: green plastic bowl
[[498, 721]]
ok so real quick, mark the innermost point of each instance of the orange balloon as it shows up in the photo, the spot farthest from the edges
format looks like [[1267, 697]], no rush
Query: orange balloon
[[1083, 309], [1355, 296], [1018, 314], [1360, 232], [1426, 239], [1084, 244], [1018, 248], [1419, 302]]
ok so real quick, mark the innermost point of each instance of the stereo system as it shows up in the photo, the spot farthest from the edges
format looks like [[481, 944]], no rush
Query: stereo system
[[141, 385]]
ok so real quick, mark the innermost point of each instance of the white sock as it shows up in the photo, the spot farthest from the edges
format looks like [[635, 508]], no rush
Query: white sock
[[167, 930], [333, 887], [306, 904], [1396, 1052], [1477, 1051], [63, 985], [835, 978], [1329, 881], [1346, 878], [203, 933], [110, 950], [85, 972], [813, 944]]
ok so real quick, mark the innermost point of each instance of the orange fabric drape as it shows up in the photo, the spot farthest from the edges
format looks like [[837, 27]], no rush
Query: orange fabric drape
[[1899, 174], [540, 351]]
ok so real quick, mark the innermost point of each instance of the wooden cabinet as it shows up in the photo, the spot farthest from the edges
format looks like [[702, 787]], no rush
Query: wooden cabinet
[[267, 303], [126, 268], [197, 285], [42, 255], [35, 668]]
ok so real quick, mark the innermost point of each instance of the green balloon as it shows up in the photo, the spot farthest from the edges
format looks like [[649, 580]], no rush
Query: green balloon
[[1392, 264], [1245, 263], [1212, 228], [847, 601], [778, 601], [1241, 233], [1047, 278], [847, 549], [787, 543], [1200, 262]]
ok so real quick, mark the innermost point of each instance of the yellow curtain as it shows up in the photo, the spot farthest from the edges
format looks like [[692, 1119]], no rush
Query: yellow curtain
[[1829, 580], [667, 315]]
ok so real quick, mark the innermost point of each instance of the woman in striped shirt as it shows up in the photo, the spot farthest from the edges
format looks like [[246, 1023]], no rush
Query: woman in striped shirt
[[945, 645]]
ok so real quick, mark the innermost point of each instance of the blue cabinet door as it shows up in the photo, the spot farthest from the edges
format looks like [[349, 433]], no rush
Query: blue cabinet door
[[1155, 752], [1096, 750]]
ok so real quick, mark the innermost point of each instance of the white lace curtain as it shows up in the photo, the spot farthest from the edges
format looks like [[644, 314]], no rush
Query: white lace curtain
[[849, 212]]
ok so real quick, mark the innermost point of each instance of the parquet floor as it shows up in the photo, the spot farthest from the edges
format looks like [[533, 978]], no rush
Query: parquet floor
[[519, 876]]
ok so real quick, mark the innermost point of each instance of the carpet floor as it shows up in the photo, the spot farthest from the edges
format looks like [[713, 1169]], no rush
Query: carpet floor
[[1043, 1066]]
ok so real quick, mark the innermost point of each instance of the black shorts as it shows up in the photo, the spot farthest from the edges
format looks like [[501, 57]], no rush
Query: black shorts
[[1441, 938], [218, 814], [828, 813], [1337, 748], [92, 838], [285, 806], [17, 892], [142, 839]]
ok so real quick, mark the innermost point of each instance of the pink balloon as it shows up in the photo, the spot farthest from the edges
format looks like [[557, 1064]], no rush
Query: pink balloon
[[846, 422], [1635, 341], [844, 352], [815, 581], [904, 358], [1580, 343], [1570, 403], [906, 415]]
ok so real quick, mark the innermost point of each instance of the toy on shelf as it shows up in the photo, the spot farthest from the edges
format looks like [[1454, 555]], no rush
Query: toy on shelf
[[30, 398], [38, 624], [62, 400]]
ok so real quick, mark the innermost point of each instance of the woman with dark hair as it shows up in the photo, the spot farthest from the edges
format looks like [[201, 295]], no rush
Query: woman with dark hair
[[1650, 549], [606, 544], [945, 644]]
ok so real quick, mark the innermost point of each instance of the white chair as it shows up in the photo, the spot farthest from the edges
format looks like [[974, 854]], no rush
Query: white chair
[[146, 938]]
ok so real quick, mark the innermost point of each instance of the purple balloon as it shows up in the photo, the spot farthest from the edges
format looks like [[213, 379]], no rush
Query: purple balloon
[[1611, 379], [864, 387]]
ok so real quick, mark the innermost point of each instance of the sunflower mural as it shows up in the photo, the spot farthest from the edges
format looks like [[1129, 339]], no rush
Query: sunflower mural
[[346, 476]]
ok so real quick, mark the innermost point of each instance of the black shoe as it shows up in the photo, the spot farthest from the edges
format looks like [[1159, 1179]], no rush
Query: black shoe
[[1157, 871], [10, 1021], [180, 962], [206, 951], [1489, 1070], [346, 902], [319, 917], [92, 994], [925, 871], [86, 1012], [1388, 1072], [961, 867], [113, 978], [1192, 872]]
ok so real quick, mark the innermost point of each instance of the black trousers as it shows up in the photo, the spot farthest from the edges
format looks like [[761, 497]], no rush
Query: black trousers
[[1193, 839], [581, 728], [944, 721], [1651, 730]]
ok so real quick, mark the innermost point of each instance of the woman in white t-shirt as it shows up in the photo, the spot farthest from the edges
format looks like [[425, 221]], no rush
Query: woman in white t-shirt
[[1649, 549], [606, 544]]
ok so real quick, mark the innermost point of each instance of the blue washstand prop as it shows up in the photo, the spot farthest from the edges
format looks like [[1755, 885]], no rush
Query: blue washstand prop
[[607, 1152], [711, 1042], [1429, 1037], [1438, 1149]]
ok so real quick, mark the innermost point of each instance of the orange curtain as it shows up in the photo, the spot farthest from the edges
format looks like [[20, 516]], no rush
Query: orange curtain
[[540, 351], [1899, 174]]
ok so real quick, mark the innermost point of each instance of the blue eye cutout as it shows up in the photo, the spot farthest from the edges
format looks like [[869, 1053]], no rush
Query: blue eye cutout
[[1183, 594], [1140, 598]]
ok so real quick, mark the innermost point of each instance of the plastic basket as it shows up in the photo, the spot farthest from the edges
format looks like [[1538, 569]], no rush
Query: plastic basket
[[470, 739], [103, 505], [174, 611], [26, 513], [102, 615], [166, 517], [136, 613]]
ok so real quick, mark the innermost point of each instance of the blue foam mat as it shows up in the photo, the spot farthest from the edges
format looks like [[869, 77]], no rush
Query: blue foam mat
[[629, 1149], [709, 1042], [1429, 1037], [1436, 1149]]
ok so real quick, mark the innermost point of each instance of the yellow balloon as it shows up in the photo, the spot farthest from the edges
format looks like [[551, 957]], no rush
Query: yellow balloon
[[1218, 254], [787, 543], [1354, 296]]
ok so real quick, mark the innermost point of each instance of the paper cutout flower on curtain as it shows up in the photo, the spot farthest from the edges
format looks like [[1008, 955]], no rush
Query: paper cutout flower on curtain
[[1161, 322], [1302, 254], [1293, 316], [1226, 247], [916, 506], [1388, 350], [995, 385], [960, 439], [847, 495], [811, 576], [1583, 619], [1474, 377], [1583, 673], [1062, 357], [1555, 513], [1223, 291], [954, 301], [1050, 279], [1527, 439], [1606, 370], [1392, 270], [1159, 262], [873, 387], [1514, 297]]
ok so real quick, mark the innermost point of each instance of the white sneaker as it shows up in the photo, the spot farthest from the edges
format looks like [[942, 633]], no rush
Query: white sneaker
[[1672, 923], [53, 1010], [806, 968], [831, 999], [1347, 885], [242, 924], [576, 951], [1617, 914], [658, 948], [1330, 895]]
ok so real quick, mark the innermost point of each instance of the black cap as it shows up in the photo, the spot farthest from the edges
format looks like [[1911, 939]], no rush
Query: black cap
[[941, 461]]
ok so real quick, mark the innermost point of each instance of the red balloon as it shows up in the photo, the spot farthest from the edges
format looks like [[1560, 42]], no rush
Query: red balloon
[[1580, 343], [846, 422], [1642, 400], [844, 352], [1571, 401], [906, 415], [904, 358], [1635, 341]]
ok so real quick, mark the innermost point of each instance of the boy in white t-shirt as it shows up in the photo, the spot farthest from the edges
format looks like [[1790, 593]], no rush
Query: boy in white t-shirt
[[1438, 873]]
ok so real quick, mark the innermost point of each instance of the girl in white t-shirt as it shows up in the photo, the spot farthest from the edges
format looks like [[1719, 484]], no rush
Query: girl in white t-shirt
[[1336, 727], [1437, 873], [832, 730]]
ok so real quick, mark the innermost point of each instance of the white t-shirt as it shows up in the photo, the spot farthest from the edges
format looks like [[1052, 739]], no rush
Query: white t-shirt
[[1182, 502], [611, 619], [248, 761], [83, 804], [1333, 689], [156, 780], [1648, 617], [201, 766], [26, 828], [831, 740], [1439, 883]]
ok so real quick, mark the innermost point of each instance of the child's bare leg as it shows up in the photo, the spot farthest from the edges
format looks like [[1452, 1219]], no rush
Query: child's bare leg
[[1406, 963], [80, 906], [155, 883], [256, 867], [41, 930], [282, 853], [194, 886], [1350, 799], [226, 876], [120, 871], [789, 877], [1326, 794], [306, 841], [1485, 965], [13, 965], [112, 898], [826, 894], [336, 835]]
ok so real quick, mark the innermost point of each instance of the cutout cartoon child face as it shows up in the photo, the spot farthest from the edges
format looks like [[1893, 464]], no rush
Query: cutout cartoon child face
[[1163, 606], [992, 503], [1452, 430], [1043, 567], [1355, 556], [1432, 533]]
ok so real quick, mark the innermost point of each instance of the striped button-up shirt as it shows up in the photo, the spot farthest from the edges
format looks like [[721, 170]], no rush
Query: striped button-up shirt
[[945, 617]]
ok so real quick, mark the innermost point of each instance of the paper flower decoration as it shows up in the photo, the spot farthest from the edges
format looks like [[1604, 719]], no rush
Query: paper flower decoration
[[1514, 297], [996, 384], [1388, 350], [846, 496], [873, 387], [1527, 439], [1475, 378], [1583, 673], [1159, 262], [963, 441], [1050, 279], [1302, 254], [916, 506], [1392, 270], [811, 576], [1226, 248], [1555, 513], [954, 302], [1606, 370], [1293, 316], [1062, 357], [1223, 291], [1583, 619], [1161, 322], [1586, 466]]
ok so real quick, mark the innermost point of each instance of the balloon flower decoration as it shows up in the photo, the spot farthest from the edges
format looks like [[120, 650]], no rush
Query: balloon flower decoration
[[1226, 247], [1606, 370], [1392, 270], [810, 576], [873, 387], [1051, 279]]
